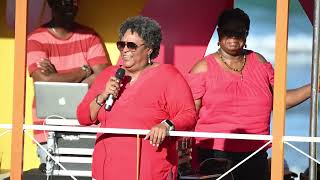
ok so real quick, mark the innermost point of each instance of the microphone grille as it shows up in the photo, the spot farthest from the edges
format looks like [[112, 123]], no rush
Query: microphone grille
[[120, 73]]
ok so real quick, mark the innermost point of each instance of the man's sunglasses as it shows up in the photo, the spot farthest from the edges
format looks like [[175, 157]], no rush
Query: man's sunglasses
[[66, 4], [130, 45]]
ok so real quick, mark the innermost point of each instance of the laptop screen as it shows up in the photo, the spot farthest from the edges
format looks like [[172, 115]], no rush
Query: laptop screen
[[58, 99]]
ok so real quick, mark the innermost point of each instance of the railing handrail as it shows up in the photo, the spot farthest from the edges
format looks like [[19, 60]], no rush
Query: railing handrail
[[89, 129]]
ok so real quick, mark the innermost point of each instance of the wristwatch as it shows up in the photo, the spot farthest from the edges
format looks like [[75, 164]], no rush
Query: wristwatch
[[87, 69], [169, 124]]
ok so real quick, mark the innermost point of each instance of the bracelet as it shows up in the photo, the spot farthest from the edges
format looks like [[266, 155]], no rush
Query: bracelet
[[100, 104]]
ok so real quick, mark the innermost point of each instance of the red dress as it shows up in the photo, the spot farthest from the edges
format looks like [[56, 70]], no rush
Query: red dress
[[159, 93]]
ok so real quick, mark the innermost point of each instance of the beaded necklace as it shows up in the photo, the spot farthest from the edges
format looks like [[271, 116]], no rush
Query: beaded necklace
[[239, 70]]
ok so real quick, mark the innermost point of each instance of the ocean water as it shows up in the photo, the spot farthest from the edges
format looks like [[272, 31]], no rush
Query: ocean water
[[261, 39]]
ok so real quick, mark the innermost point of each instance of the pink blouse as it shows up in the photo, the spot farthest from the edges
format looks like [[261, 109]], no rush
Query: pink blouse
[[234, 105], [159, 93]]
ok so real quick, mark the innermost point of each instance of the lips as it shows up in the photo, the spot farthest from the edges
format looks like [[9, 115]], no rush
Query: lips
[[233, 43], [126, 57]]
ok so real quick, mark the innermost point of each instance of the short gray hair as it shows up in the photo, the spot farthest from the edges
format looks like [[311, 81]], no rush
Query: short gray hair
[[148, 29]]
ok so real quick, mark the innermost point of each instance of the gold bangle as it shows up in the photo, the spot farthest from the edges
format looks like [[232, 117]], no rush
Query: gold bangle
[[100, 104]]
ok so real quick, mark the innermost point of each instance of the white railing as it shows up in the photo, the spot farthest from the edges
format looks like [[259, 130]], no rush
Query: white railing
[[286, 139]]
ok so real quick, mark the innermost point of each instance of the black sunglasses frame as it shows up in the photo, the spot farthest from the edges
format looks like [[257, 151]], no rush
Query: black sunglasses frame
[[130, 45], [237, 34]]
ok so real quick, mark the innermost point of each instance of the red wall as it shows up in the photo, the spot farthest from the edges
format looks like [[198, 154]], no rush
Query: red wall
[[187, 27]]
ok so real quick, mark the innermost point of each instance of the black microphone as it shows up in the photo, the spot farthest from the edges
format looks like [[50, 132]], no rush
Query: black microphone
[[109, 102]]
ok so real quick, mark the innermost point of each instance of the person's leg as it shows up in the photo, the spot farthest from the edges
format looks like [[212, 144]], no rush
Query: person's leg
[[204, 154], [256, 168], [214, 162]]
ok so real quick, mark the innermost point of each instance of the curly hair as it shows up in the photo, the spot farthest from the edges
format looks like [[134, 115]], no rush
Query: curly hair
[[148, 29], [234, 20]]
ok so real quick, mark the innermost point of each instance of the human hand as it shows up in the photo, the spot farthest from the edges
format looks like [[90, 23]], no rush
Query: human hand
[[46, 67], [157, 134], [112, 87]]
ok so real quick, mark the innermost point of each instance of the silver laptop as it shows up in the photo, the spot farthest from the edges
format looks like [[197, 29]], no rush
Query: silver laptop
[[57, 100]]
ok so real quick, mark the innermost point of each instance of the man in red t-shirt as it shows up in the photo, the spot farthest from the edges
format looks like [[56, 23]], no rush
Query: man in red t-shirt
[[64, 51]]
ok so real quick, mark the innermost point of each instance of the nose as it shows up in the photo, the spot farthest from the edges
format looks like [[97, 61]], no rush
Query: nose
[[125, 48]]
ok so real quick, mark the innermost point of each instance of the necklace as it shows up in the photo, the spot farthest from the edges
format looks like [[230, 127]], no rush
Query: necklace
[[239, 70]]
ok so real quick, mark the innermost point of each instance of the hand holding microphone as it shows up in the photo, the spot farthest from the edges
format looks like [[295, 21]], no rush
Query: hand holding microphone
[[113, 87]]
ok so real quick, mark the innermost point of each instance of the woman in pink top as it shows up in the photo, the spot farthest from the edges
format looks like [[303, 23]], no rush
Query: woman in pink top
[[150, 96], [233, 93]]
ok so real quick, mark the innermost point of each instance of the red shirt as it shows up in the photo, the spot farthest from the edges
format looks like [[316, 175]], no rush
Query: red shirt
[[159, 93], [234, 105]]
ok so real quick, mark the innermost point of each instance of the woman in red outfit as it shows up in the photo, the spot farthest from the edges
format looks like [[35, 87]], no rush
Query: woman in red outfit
[[233, 93], [150, 96]]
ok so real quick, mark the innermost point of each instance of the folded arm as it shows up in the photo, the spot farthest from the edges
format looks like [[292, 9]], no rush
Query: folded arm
[[96, 69], [47, 72]]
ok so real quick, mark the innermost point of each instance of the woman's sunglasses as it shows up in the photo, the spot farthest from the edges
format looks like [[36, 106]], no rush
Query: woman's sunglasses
[[130, 45], [237, 34]]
